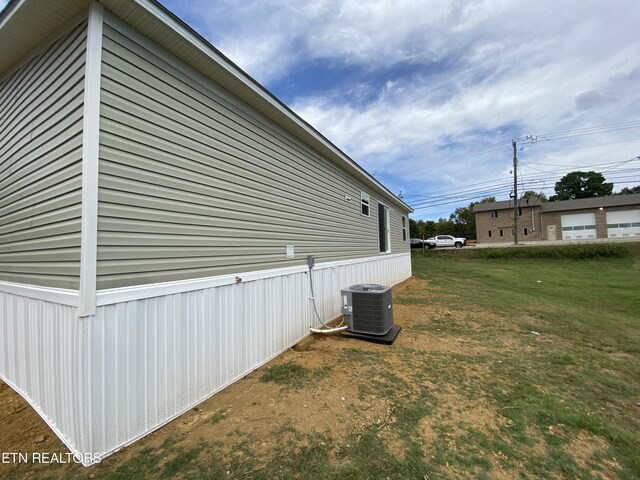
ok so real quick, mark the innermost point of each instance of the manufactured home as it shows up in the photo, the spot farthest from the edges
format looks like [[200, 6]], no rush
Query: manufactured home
[[157, 208]]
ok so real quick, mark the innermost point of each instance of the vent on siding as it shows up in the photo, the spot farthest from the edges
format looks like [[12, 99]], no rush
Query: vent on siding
[[367, 308]]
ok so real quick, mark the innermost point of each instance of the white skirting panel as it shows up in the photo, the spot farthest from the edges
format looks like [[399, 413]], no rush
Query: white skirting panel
[[41, 358], [139, 363]]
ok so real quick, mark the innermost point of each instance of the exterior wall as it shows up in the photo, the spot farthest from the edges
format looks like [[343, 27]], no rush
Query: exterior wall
[[601, 222], [552, 218], [152, 352], [194, 183], [484, 223], [41, 165]]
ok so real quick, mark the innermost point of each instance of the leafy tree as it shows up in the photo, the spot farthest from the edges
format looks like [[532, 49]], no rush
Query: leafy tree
[[533, 194], [581, 185], [429, 228], [445, 227], [629, 190], [421, 228]]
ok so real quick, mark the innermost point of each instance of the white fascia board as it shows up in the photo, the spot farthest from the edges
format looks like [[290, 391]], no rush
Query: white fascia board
[[90, 156], [205, 47], [138, 292], [62, 296]]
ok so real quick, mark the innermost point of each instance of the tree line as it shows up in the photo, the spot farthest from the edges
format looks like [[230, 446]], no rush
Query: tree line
[[574, 185]]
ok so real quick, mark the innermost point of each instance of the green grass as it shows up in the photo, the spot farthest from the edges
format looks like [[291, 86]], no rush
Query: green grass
[[595, 300], [586, 313], [293, 375]]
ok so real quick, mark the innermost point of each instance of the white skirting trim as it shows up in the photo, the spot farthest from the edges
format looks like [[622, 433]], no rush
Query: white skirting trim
[[139, 363], [60, 296]]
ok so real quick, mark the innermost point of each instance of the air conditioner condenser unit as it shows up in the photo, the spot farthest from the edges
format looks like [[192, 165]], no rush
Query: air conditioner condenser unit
[[367, 309]]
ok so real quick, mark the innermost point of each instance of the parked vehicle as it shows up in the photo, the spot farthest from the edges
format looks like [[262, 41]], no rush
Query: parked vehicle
[[445, 241], [416, 243]]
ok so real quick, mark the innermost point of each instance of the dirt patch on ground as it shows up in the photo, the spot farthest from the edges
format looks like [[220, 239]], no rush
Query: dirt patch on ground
[[586, 449], [430, 374]]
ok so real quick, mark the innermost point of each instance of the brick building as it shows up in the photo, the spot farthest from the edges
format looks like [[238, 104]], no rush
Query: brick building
[[612, 217]]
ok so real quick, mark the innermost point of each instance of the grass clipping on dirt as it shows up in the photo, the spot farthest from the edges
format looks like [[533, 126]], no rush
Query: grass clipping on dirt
[[505, 368]]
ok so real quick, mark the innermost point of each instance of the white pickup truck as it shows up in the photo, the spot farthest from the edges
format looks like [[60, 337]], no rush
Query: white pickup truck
[[445, 241]]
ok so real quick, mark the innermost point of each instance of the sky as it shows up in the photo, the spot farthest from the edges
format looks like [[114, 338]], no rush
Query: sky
[[427, 95]]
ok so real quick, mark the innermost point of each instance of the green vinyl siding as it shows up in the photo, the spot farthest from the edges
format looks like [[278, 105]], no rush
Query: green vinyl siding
[[395, 222], [194, 183], [41, 107]]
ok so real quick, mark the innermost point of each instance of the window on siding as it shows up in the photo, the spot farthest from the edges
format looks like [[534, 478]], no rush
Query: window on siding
[[364, 201], [519, 211], [404, 228], [501, 233], [494, 214], [526, 231], [489, 233]]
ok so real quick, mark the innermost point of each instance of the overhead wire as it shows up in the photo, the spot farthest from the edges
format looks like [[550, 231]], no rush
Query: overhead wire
[[533, 182], [546, 137]]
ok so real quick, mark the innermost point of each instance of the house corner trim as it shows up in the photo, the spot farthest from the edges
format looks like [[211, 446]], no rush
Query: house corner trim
[[90, 153]]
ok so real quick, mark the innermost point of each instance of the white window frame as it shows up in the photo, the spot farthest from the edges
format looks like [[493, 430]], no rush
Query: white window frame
[[494, 213], [365, 201]]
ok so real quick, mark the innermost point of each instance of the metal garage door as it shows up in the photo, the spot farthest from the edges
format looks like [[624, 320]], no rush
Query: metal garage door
[[623, 224], [578, 226]]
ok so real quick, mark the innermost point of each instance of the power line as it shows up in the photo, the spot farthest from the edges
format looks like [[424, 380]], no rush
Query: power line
[[492, 188], [547, 137], [595, 129]]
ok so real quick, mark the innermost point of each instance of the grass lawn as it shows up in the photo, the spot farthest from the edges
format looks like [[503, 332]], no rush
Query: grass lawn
[[577, 375], [505, 368]]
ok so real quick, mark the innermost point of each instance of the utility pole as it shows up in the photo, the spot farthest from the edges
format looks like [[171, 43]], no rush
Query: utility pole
[[515, 193]]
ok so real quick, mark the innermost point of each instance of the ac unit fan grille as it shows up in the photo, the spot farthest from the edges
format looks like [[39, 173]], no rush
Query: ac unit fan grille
[[372, 312]]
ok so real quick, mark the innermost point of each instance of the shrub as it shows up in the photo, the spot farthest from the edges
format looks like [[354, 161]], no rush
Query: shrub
[[573, 252]]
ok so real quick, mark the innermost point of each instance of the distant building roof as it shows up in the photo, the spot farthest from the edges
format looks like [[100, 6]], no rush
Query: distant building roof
[[595, 202], [563, 205]]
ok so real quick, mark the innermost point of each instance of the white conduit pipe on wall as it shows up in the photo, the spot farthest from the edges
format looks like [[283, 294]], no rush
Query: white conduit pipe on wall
[[327, 329]]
